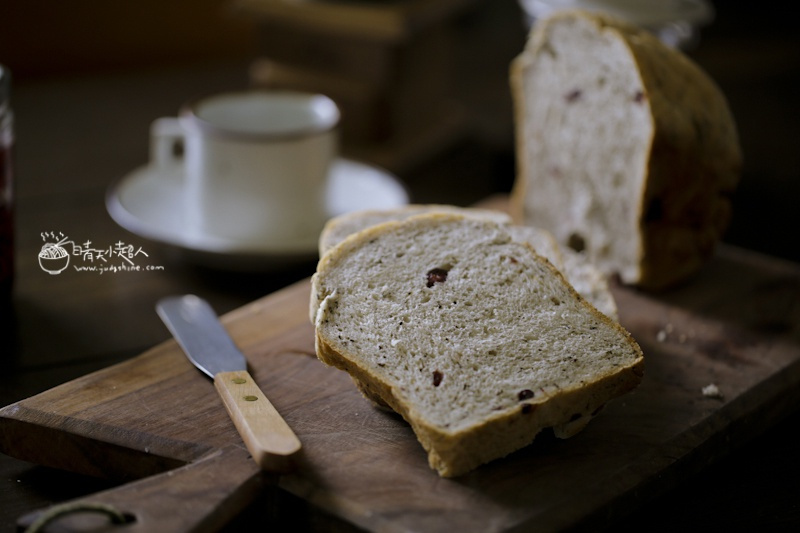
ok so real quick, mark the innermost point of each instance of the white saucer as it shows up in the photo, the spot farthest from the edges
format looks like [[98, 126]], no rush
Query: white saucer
[[149, 202]]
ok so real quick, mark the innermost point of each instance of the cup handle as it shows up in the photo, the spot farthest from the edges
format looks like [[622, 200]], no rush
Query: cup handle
[[166, 142]]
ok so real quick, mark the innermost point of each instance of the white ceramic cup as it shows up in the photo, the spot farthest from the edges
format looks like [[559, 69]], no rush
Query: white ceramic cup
[[255, 165]]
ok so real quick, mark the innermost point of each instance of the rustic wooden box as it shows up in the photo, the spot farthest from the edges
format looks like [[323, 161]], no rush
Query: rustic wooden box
[[389, 65]]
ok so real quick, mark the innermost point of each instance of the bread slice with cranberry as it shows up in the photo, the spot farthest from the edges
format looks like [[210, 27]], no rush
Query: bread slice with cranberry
[[473, 337], [626, 149]]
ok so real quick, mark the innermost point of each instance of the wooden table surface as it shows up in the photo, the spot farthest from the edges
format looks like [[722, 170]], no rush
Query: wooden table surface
[[75, 137]]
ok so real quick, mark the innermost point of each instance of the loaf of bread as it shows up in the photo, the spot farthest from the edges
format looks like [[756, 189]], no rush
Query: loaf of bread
[[583, 276], [626, 150], [473, 337]]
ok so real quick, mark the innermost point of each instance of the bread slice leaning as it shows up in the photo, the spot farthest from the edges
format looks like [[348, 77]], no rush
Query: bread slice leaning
[[626, 149], [475, 339]]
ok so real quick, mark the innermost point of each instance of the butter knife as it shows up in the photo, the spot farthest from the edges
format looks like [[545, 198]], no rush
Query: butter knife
[[195, 326]]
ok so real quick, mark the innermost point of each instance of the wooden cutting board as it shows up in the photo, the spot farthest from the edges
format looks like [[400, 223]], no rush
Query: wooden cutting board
[[156, 424]]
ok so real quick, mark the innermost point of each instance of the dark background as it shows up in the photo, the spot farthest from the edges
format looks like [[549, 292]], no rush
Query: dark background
[[751, 49], [90, 76]]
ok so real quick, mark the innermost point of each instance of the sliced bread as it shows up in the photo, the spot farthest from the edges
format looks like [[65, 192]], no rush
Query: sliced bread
[[340, 227], [626, 150], [473, 337], [575, 266], [586, 279]]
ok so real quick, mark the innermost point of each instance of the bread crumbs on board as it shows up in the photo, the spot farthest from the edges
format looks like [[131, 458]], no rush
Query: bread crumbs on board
[[712, 391]]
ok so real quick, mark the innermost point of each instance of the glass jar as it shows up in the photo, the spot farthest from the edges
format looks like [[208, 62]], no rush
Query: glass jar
[[6, 187], [676, 22]]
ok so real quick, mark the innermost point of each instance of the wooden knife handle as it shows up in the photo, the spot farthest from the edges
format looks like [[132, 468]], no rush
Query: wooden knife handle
[[268, 437]]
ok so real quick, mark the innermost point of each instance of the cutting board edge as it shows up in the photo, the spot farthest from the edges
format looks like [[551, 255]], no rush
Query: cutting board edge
[[76, 450], [736, 423]]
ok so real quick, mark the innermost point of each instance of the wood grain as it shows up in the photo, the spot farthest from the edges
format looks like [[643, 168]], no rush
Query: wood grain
[[267, 436], [736, 325]]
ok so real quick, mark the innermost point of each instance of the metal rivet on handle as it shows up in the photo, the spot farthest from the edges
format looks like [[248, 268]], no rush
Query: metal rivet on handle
[[250, 398], [239, 381]]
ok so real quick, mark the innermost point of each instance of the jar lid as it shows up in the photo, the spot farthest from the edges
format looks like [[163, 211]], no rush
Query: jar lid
[[645, 13]]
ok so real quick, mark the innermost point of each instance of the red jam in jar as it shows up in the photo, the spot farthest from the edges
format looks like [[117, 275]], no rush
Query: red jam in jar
[[6, 188]]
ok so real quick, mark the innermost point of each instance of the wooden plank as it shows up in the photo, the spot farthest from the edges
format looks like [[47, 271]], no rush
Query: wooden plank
[[736, 325]]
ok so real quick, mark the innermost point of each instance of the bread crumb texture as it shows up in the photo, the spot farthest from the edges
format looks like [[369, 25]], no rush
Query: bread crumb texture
[[470, 335]]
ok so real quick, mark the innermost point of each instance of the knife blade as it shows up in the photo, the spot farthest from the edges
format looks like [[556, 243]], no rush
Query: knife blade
[[206, 343]]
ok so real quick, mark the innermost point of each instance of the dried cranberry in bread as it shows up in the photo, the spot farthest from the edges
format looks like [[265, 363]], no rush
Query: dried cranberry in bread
[[626, 149], [475, 339]]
